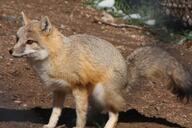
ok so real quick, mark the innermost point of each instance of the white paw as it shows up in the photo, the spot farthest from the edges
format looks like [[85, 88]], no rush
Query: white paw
[[48, 126]]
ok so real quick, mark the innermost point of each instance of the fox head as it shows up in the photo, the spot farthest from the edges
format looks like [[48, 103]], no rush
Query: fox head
[[29, 39]]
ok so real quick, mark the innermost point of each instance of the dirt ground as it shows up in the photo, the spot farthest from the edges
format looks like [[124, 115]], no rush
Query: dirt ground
[[24, 103]]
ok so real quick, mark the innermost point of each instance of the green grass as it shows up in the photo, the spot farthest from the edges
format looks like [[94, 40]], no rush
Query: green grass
[[186, 36]]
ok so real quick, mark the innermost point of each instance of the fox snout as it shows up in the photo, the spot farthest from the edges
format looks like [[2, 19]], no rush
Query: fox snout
[[11, 52]]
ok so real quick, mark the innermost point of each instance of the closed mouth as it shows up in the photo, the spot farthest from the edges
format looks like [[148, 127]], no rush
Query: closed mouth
[[18, 55]]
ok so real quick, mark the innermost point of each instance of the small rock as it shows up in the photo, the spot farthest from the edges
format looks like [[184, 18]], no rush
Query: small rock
[[150, 22], [62, 26], [87, 15], [126, 17], [11, 59], [66, 2], [120, 12], [107, 17], [99, 22], [106, 4], [24, 105], [17, 101], [182, 54], [28, 6], [157, 108], [135, 16], [132, 16], [8, 64], [102, 27], [148, 33]]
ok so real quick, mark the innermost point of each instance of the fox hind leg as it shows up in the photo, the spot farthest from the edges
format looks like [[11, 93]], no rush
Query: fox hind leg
[[108, 96], [58, 99], [114, 103], [112, 121]]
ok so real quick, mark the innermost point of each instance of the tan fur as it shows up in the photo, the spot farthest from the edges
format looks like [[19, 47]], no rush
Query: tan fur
[[90, 74], [89, 67], [155, 64]]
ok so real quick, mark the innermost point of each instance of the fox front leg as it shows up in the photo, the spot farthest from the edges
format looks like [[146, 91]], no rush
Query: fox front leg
[[81, 101], [58, 99]]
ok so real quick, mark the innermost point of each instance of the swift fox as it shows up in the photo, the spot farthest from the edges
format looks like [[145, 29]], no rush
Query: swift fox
[[155, 64], [86, 66]]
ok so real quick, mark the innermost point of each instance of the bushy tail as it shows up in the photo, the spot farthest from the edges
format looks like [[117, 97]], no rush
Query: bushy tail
[[181, 83], [153, 63]]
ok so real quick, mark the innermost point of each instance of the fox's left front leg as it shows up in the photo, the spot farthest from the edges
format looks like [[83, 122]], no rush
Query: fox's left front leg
[[58, 99], [81, 101]]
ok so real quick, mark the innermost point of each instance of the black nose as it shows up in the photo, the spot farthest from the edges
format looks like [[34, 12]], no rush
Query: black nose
[[11, 51]]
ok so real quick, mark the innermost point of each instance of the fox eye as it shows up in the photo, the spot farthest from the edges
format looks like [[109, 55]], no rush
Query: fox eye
[[30, 42]]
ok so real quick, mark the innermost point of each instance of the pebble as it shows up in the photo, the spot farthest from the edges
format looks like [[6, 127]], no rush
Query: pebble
[[11, 59], [157, 108], [17, 101], [24, 105], [87, 15], [8, 64], [135, 16], [150, 22], [62, 26], [107, 17], [66, 2]]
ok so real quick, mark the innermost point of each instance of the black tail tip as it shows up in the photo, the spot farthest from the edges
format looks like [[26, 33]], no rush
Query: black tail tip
[[183, 95]]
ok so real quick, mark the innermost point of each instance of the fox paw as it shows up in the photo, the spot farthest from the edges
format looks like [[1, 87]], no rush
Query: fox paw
[[48, 126]]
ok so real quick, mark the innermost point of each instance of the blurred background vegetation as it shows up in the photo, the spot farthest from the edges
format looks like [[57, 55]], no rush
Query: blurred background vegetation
[[168, 20]]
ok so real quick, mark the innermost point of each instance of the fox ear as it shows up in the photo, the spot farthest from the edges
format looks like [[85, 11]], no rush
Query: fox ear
[[45, 25], [25, 19]]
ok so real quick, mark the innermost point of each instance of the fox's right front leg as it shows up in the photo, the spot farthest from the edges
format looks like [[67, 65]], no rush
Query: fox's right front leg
[[58, 99]]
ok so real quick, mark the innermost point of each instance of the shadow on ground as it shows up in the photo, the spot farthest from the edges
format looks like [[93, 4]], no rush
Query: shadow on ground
[[41, 116]]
